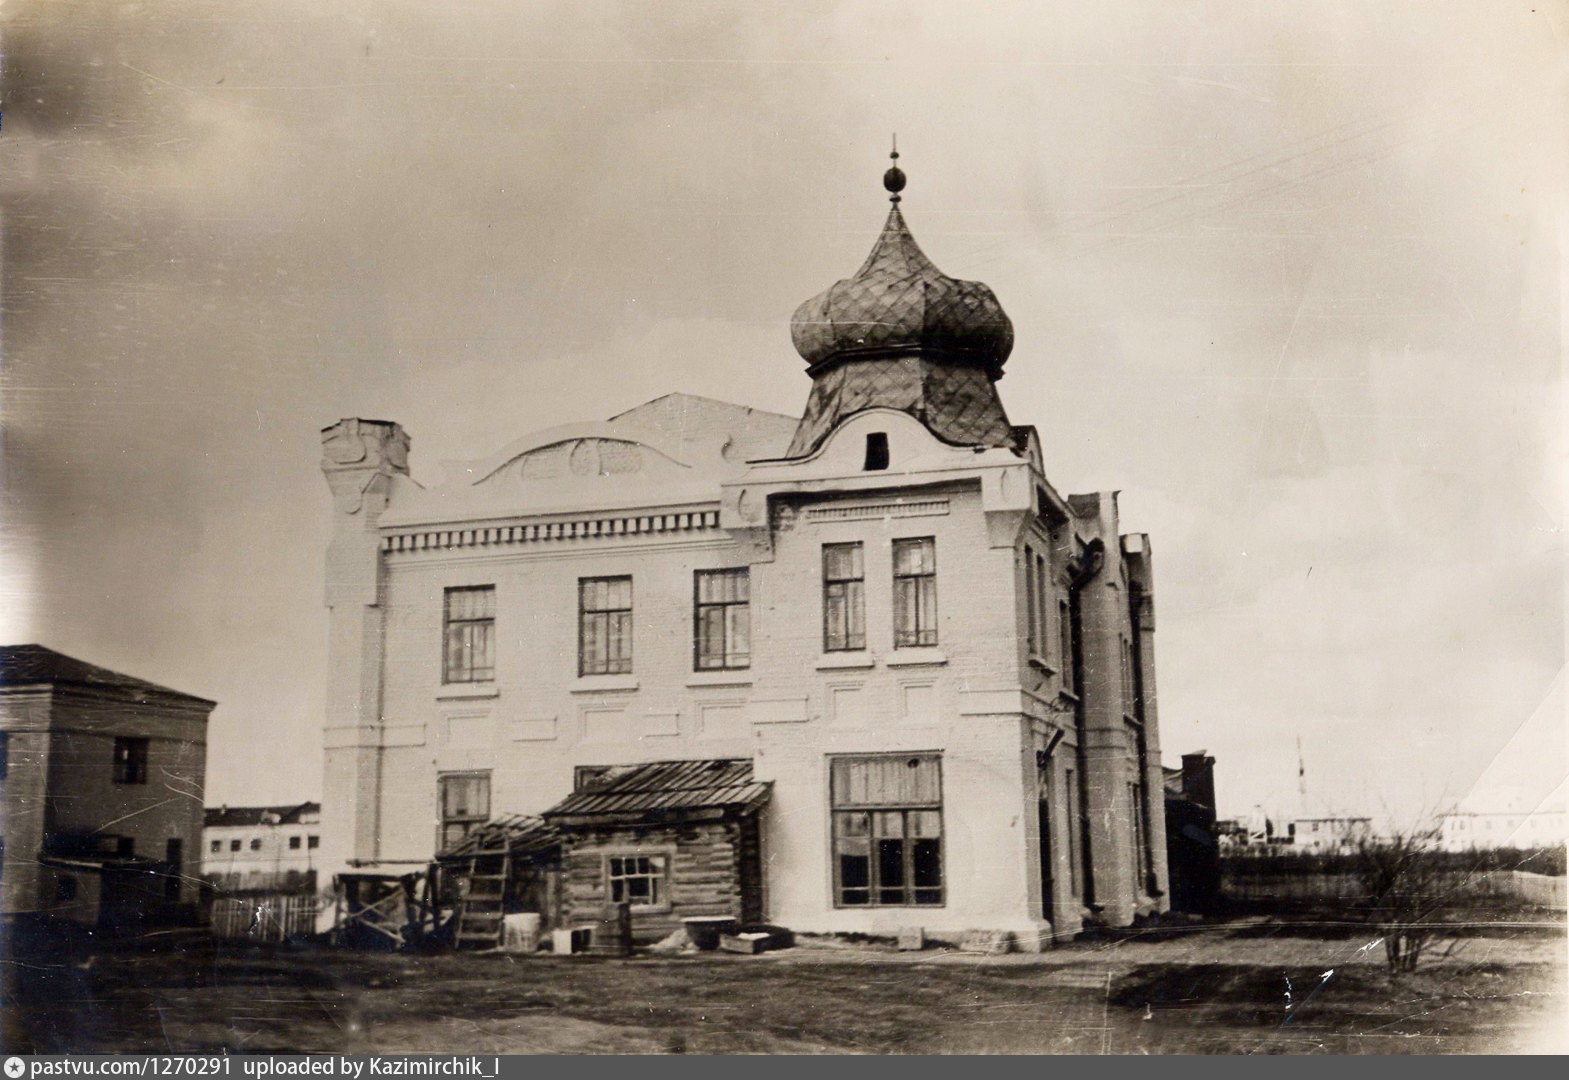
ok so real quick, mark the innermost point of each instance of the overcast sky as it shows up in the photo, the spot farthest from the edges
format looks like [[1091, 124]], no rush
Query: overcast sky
[[1287, 276]]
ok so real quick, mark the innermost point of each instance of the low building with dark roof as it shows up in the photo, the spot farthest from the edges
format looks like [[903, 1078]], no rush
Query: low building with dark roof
[[100, 790], [248, 848]]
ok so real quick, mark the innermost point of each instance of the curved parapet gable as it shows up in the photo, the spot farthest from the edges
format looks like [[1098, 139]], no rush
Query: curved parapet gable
[[572, 450]]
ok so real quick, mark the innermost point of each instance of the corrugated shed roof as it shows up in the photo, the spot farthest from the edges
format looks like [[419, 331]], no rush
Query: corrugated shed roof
[[244, 816], [26, 665], [665, 788], [521, 835]]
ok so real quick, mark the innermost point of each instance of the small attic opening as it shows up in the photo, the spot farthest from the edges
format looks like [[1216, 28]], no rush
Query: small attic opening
[[876, 451]]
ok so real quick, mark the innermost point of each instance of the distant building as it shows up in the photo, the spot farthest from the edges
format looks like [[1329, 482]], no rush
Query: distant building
[[100, 790], [1528, 829], [1329, 835], [261, 847], [861, 670]]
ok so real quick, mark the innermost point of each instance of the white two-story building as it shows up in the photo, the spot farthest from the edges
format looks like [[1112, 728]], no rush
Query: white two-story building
[[906, 680]]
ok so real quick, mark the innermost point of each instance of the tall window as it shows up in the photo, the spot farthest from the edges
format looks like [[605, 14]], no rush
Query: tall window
[[887, 823], [1127, 677], [470, 634], [722, 623], [604, 626], [1032, 604], [130, 761], [464, 802], [5, 753], [844, 598], [1070, 783], [915, 592], [1136, 806], [1065, 642], [1037, 586], [1042, 604], [636, 879]]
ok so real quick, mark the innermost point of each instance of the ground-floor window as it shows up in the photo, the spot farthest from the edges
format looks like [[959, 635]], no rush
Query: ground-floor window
[[887, 826], [636, 879], [464, 802]]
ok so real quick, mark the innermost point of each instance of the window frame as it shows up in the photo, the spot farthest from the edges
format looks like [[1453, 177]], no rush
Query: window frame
[[851, 593], [608, 664], [469, 672], [131, 755], [444, 821], [662, 899], [924, 616], [1065, 645], [876, 816], [742, 661]]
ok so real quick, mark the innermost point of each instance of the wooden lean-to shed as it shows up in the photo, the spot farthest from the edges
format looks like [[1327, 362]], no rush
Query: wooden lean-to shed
[[674, 839], [506, 866]]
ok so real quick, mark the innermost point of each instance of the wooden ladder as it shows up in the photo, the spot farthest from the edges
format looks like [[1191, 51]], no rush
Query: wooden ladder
[[488, 872]]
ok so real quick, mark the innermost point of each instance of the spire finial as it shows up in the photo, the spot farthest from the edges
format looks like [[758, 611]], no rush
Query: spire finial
[[893, 179]]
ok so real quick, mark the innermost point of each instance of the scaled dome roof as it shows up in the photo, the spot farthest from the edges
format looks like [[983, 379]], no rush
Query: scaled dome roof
[[898, 302]]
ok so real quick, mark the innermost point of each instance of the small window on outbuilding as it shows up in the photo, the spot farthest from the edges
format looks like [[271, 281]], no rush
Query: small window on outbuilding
[[876, 451], [234, 845]]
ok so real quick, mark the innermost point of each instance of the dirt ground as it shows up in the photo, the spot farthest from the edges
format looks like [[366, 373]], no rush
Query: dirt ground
[[1228, 989]]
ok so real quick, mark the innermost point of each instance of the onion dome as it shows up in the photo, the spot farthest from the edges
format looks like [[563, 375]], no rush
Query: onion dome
[[903, 335], [899, 302]]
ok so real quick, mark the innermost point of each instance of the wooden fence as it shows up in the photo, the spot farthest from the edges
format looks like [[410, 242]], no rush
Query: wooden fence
[[273, 917], [1512, 886]]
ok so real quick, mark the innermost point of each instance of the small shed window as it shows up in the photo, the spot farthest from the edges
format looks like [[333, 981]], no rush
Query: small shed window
[[636, 879]]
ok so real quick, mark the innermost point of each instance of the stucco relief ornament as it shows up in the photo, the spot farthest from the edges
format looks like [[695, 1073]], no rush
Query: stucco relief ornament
[[785, 517], [356, 457]]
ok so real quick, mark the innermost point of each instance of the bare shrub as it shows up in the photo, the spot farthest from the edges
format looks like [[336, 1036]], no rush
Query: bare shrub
[[1408, 889]]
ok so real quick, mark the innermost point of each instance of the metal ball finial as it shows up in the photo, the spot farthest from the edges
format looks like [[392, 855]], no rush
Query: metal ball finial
[[893, 179]]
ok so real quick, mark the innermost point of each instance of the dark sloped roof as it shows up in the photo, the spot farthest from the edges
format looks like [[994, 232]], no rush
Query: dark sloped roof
[[241, 816], [664, 789], [520, 835], [27, 665]]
